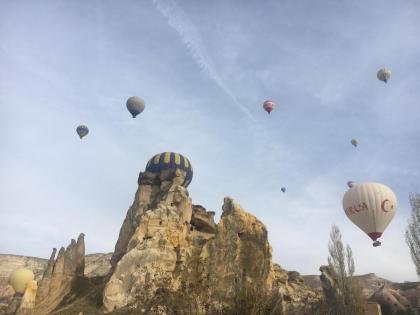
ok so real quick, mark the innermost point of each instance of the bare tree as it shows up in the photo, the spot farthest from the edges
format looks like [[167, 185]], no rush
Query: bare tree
[[412, 233], [349, 296]]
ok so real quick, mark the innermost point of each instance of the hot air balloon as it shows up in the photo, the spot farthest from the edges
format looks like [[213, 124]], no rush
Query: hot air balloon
[[283, 189], [19, 278], [350, 184], [82, 131], [268, 106], [384, 75], [171, 160], [354, 142], [371, 206], [135, 105]]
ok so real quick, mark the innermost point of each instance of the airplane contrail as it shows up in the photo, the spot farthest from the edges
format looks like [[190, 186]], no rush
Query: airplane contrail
[[179, 20]]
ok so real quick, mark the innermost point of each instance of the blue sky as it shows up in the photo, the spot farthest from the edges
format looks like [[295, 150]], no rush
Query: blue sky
[[204, 69]]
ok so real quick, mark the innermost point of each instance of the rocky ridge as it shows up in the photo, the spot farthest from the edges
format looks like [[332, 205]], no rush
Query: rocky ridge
[[168, 248]]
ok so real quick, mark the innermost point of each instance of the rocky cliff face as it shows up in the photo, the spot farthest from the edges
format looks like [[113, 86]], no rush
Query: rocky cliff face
[[171, 256], [60, 276]]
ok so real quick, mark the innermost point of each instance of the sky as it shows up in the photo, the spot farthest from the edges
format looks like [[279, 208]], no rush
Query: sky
[[204, 68]]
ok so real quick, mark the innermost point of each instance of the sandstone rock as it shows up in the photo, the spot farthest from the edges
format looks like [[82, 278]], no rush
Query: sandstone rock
[[14, 305], [295, 277], [149, 187], [238, 256], [329, 284], [202, 220], [27, 304], [171, 256], [391, 300], [411, 291], [157, 243], [369, 283], [97, 265], [6, 297], [281, 275], [60, 276], [372, 309]]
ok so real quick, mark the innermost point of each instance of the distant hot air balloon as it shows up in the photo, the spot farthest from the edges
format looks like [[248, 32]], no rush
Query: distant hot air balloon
[[135, 105], [19, 278], [82, 131], [283, 189], [371, 206], [268, 106], [384, 75], [350, 184], [354, 142]]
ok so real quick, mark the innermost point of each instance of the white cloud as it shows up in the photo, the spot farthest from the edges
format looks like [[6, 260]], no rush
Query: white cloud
[[178, 19]]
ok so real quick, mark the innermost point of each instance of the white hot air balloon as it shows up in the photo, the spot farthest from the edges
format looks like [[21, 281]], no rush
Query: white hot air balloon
[[135, 105], [371, 206], [384, 75]]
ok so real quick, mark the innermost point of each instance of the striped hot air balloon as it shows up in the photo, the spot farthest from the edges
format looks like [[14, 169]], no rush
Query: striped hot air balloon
[[171, 160], [371, 206]]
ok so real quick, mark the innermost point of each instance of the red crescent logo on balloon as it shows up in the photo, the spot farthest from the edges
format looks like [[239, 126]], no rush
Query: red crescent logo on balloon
[[383, 205]]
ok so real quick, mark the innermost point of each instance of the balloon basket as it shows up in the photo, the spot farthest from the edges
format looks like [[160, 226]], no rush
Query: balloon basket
[[376, 244]]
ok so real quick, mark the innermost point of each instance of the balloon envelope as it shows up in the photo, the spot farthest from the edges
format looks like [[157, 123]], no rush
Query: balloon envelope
[[268, 106], [171, 160], [384, 75], [82, 131], [135, 105], [283, 189], [19, 278], [371, 206], [354, 142], [350, 184]]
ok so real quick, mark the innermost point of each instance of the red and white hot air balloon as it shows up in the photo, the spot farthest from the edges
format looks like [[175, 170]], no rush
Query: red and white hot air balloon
[[371, 206], [268, 106]]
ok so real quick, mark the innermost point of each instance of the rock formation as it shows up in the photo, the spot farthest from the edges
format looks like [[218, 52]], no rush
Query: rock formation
[[14, 304], [171, 256], [9, 263], [60, 275], [329, 284], [6, 297], [392, 297], [27, 305], [369, 283], [96, 265], [391, 300]]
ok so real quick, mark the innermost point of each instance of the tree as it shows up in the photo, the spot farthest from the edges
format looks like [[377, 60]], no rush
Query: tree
[[349, 298], [412, 233]]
